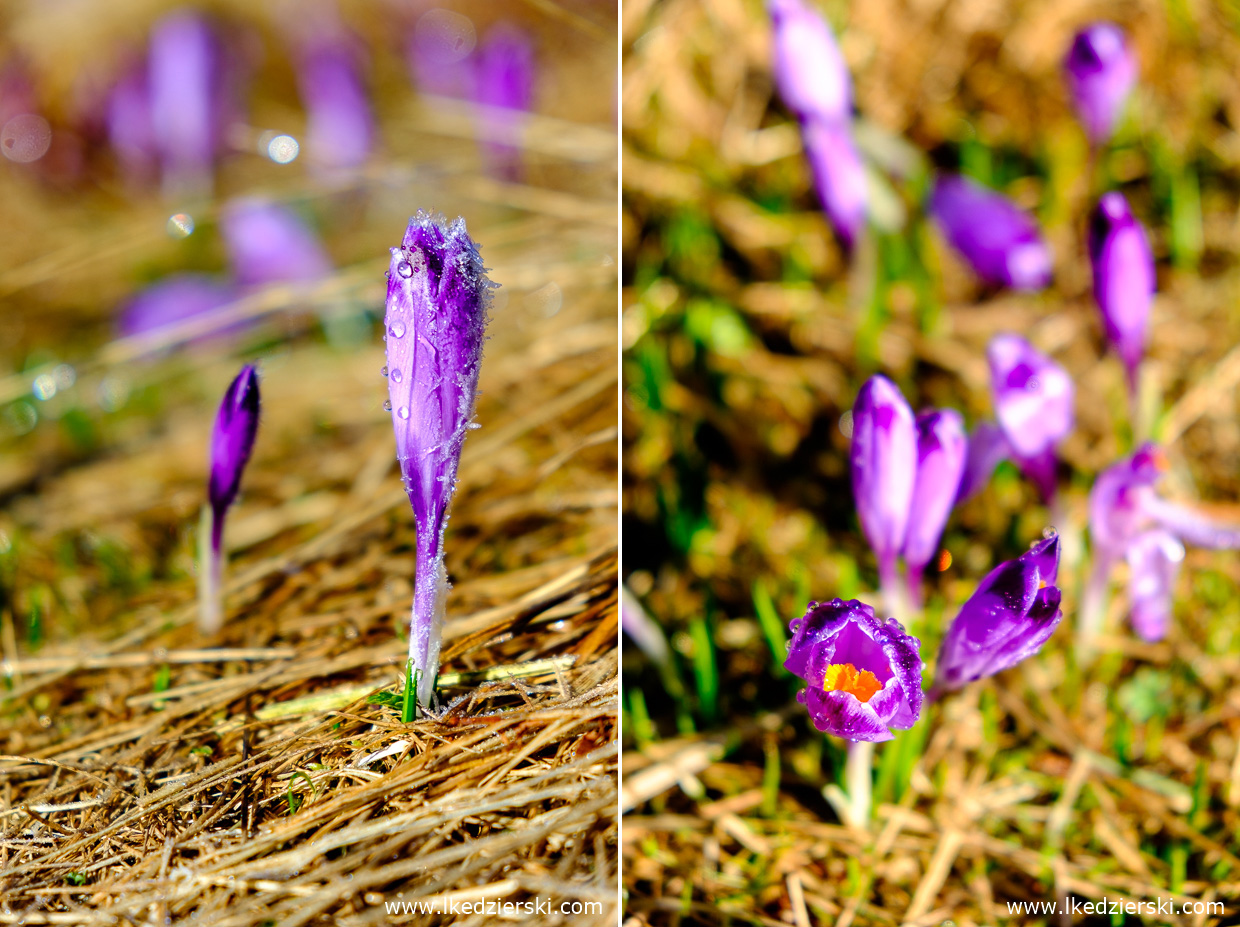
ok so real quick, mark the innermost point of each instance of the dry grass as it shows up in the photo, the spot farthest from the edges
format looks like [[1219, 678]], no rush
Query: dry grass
[[148, 773]]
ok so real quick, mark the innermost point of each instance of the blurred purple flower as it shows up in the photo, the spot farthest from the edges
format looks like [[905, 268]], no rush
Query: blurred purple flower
[[839, 175], [173, 299], [884, 469], [941, 450], [987, 449], [1033, 399], [269, 243], [1128, 519], [1123, 279], [643, 630], [999, 240], [438, 53], [437, 300], [810, 73], [188, 103], [130, 131], [504, 80], [1011, 615], [1100, 71], [339, 126], [863, 675]]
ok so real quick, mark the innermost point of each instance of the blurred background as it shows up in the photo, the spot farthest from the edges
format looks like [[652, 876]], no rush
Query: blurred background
[[189, 188], [747, 330]]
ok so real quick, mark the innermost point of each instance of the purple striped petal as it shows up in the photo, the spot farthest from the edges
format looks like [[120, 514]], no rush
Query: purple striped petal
[[941, 451]]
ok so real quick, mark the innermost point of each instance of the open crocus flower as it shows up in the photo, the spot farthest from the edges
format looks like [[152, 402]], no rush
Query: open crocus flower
[[1000, 241], [1129, 520], [1100, 71], [863, 675], [1124, 282], [905, 472], [1011, 615], [1033, 399]]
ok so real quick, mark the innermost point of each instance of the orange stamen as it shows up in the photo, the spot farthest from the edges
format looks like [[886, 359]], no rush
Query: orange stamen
[[844, 677]]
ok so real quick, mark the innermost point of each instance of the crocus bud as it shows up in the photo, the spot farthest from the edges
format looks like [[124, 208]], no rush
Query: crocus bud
[[863, 675], [171, 300], [1011, 615], [504, 82], [339, 125], [810, 73], [999, 240], [129, 125], [269, 243], [187, 106], [437, 300], [883, 455], [1100, 71], [1123, 278], [987, 449], [941, 450], [1154, 559], [232, 440], [1033, 399], [839, 175]]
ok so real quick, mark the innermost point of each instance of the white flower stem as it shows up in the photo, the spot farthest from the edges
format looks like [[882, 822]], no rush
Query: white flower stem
[[1094, 601], [858, 775], [210, 572]]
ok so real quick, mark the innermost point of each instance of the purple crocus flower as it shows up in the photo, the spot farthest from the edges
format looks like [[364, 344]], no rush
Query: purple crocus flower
[[232, 440], [1124, 282], [810, 73], [269, 243], [863, 675], [185, 79], [1100, 71], [437, 300], [171, 300], [839, 175], [1129, 520], [941, 450], [504, 82], [1011, 615], [999, 240], [130, 131], [1033, 399], [339, 124], [884, 469]]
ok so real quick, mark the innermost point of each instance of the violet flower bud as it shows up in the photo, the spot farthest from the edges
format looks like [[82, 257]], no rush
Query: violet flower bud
[[1124, 282], [884, 467], [863, 675], [1033, 399], [1011, 615], [1154, 559], [186, 87], [171, 300], [810, 73], [941, 450], [1100, 71], [232, 440], [269, 243], [504, 81], [839, 175], [999, 240], [129, 127], [987, 449], [437, 301], [339, 124]]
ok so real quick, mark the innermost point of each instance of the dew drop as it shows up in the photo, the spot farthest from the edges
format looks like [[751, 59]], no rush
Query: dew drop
[[405, 269], [396, 375], [383, 372], [25, 138], [403, 412], [387, 405], [1049, 532], [180, 225], [397, 330]]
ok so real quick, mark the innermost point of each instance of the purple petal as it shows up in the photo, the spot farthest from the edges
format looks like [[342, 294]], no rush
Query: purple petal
[[884, 465], [171, 300], [941, 451], [1033, 396], [339, 126], [642, 629], [232, 440], [987, 449], [1000, 241], [1041, 470], [438, 53], [1124, 282], [1154, 559], [1119, 498], [1100, 71], [839, 176], [810, 73], [268, 243], [844, 715], [437, 301], [504, 82], [1012, 614], [1189, 525], [130, 131]]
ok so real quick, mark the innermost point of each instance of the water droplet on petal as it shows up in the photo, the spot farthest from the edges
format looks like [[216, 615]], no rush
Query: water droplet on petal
[[403, 411], [383, 372], [387, 405], [1049, 532], [397, 330], [396, 375], [405, 269]]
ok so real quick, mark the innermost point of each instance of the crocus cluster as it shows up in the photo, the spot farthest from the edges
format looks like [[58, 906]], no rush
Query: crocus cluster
[[437, 300], [1128, 520], [864, 674], [1033, 400], [236, 426], [814, 83], [905, 472], [1100, 71]]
